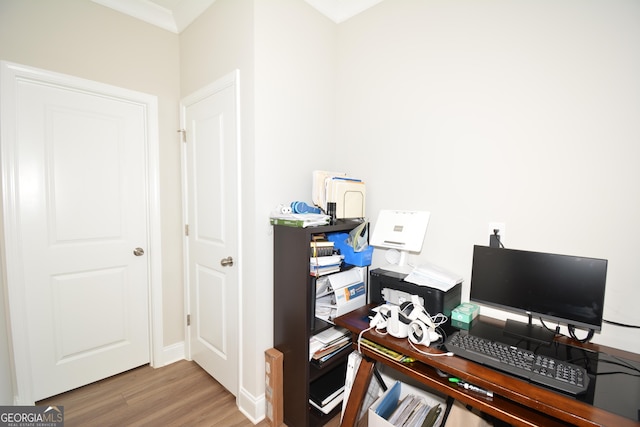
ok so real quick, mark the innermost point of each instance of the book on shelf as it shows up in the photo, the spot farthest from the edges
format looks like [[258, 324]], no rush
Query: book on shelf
[[387, 352], [326, 409], [326, 388], [319, 247], [322, 261], [299, 220], [321, 270], [342, 351], [331, 348], [331, 335], [328, 343]]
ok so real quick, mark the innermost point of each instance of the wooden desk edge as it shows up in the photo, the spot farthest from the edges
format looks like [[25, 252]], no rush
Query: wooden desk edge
[[518, 393]]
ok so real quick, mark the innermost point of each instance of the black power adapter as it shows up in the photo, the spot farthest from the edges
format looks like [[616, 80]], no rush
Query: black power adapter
[[494, 239]]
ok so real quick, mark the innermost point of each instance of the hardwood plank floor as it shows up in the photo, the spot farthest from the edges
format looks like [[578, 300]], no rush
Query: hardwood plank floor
[[180, 394]]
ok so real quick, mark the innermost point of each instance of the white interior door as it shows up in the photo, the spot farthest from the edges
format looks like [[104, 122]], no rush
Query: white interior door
[[212, 187], [75, 172]]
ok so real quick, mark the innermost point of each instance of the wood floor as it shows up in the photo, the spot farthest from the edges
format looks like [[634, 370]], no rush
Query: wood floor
[[180, 394]]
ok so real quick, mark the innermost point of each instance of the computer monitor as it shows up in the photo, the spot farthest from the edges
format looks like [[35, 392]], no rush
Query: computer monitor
[[561, 288]]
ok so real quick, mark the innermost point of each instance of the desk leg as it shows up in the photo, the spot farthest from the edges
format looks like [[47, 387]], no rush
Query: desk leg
[[358, 393]]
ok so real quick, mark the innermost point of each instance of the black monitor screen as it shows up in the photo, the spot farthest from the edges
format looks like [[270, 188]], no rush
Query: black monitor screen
[[562, 288]]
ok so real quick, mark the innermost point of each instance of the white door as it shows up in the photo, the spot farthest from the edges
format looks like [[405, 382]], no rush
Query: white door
[[75, 172], [212, 193]]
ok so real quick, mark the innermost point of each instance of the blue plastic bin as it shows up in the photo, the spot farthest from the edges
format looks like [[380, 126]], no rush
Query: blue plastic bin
[[359, 259]]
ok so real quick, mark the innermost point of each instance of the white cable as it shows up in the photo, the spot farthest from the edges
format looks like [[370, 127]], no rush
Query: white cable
[[439, 319], [360, 337], [378, 330], [429, 354]]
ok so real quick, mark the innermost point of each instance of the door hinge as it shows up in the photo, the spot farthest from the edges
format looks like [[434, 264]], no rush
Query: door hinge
[[183, 132], [186, 229], [188, 320]]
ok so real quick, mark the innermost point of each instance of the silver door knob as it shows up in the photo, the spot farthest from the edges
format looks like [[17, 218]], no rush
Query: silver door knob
[[138, 251], [226, 262]]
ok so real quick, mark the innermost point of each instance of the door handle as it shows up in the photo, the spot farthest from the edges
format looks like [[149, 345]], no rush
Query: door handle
[[138, 251], [226, 262]]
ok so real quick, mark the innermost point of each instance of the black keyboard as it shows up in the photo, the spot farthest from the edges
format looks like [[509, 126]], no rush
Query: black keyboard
[[543, 370]]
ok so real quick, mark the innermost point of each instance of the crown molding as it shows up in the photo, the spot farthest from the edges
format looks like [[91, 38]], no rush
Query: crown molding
[[181, 13], [341, 10], [175, 20]]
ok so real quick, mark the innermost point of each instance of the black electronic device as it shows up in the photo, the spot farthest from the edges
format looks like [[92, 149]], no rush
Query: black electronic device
[[561, 288], [549, 371], [389, 287]]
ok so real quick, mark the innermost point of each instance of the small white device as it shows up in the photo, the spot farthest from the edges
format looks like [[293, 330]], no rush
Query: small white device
[[422, 330], [379, 321], [409, 320], [400, 232]]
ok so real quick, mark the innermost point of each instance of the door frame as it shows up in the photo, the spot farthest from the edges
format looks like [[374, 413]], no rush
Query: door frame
[[10, 244], [230, 79]]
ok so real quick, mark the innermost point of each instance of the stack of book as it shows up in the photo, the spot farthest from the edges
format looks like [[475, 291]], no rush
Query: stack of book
[[327, 392], [328, 343], [319, 266], [302, 220], [323, 259], [320, 246]]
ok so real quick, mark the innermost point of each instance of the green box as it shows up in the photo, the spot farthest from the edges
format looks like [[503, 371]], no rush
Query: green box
[[462, 325], [465, 312]]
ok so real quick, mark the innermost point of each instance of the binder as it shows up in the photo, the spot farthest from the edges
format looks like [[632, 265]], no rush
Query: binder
[[329, 386]]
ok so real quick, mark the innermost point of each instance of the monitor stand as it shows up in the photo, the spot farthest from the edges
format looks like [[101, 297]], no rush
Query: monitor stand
[[529, 331]]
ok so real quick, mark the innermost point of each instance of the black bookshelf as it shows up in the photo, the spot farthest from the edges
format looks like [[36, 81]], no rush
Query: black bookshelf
[[294, 320]]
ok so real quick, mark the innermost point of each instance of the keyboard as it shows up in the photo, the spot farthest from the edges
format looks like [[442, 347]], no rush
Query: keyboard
[[543, 370]]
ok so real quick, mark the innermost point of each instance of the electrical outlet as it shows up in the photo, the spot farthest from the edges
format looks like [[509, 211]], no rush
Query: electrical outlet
[[502, 230]]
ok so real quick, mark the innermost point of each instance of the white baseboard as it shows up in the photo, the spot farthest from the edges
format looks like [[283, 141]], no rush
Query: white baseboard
[[252, 407], [173, 353]]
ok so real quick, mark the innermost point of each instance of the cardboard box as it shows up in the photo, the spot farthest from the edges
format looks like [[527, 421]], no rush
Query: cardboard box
[[390, 397], [273, 389], [465, 312]]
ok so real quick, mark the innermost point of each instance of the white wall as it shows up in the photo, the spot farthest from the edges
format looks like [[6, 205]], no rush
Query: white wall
[[84, 39], [285, 52], [518, 112], [294, 131]]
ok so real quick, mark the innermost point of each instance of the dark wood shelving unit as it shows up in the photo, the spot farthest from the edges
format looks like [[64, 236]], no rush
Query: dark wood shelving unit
[[294, 323]]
